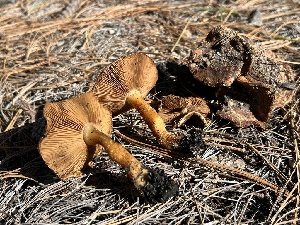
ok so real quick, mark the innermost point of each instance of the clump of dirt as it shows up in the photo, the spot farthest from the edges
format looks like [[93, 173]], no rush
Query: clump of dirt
[[159, 187], [192, 142]]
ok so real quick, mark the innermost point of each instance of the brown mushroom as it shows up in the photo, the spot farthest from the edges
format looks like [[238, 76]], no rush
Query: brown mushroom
[[218, 60], [265, 81], [124, 84], [76, 131], [256, 76], [180, 109]]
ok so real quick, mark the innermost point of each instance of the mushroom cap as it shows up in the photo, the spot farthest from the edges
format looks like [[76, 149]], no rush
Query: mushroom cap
[[63, 148], [218, 60], [136, 71]]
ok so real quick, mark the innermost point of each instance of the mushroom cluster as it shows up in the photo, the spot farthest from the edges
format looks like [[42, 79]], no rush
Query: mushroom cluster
[[249, 82], [79, 128]]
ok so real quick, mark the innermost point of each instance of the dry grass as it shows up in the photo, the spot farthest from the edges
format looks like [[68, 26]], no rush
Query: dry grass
[[50, 50]]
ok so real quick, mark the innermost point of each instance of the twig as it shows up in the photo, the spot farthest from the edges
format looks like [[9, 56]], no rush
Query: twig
[[15, 174], [121, 221], [208, 141], [269, 163], [14, 119], [244, 209], [181, 34], [225, 146], [179, 156], [283, 205], [297, 168]]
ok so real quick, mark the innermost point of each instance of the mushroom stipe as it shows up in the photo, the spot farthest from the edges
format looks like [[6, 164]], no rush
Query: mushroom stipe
[[153, 120], [134, 168]]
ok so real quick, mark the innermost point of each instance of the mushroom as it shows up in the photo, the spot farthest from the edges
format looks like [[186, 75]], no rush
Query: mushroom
[[180, 109], [218, 60], [265, 81], [76, 131], [124, 84], [250, 74]]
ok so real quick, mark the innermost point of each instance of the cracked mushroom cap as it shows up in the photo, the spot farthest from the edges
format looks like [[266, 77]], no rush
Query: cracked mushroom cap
[[227, 58], [218, 60], [136, 71], [63, 148]]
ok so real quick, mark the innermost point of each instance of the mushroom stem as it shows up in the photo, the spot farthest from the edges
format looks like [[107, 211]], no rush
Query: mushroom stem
[[134, 168], [152, 119]]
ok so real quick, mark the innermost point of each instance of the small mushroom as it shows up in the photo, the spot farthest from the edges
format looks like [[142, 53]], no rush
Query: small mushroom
[[180, 109], [124, 84], [76, 131]]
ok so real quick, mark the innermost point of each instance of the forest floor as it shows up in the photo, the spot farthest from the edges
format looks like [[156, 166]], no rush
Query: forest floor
[[50, 50]]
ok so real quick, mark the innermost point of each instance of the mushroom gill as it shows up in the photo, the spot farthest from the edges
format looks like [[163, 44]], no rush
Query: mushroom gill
[[179, 109]]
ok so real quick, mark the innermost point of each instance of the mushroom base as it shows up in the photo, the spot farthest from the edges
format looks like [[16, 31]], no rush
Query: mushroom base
[[159, 187], [192, 143], [152, 119], [134, 168]]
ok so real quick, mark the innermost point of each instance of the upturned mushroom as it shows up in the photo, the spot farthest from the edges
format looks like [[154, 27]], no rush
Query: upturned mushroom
[[124, 84], [179, 109], [76, 131]]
